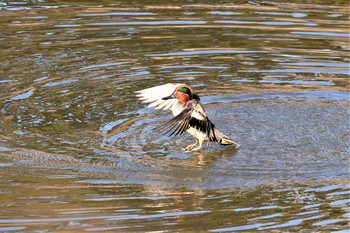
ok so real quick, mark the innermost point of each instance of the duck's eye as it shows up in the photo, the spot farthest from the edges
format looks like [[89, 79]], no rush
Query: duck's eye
[[185, 90]]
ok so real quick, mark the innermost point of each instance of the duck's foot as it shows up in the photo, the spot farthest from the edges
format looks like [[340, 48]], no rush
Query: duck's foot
[[197, 148], [189, 147]]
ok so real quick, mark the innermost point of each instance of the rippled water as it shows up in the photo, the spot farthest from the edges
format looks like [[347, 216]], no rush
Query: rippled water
[[79, 152]]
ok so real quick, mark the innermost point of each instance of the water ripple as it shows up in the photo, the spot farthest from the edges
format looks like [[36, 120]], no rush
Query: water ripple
[[204, 52], [165, 22], [271, 75]]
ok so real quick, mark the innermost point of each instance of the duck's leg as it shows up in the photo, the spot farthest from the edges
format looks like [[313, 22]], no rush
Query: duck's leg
[[198, 147], [189, 147]]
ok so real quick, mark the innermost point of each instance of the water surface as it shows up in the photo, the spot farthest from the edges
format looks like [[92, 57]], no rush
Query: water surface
[[78, 152]]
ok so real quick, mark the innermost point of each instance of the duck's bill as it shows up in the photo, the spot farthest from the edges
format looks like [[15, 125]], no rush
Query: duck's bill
[[172, 96]]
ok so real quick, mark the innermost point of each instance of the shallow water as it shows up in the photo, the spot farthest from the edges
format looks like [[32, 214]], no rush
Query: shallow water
[[79, 152]]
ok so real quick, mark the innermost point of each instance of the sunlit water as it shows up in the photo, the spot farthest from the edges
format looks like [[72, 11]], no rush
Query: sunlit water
[[78, 152]]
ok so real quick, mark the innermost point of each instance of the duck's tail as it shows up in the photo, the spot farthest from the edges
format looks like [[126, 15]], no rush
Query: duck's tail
[[222, 139]]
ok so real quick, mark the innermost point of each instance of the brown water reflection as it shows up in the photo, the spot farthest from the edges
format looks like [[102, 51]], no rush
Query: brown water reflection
[[78, 152], [56, 203]]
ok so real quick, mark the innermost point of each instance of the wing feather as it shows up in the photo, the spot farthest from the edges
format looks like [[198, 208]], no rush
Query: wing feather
[[192, 115], [153, 96], [178, 124]]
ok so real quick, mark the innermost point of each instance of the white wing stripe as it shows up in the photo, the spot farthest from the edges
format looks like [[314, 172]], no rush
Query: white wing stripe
[[154, 95], [156, 103]]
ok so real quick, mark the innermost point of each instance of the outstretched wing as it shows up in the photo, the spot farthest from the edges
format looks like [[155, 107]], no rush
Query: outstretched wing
[[178, 124], [154, 96], [192, 115]]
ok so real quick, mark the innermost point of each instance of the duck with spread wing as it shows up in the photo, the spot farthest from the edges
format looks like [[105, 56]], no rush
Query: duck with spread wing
[[189, 114]]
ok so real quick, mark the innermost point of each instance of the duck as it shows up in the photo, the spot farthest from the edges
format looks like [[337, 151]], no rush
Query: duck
[[189, 114]]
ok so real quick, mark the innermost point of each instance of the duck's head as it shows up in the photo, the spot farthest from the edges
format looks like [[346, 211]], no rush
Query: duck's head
[[183, 93]]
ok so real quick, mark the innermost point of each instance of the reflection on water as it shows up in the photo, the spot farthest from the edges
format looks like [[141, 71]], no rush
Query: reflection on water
[[80, 152], [102, 207]]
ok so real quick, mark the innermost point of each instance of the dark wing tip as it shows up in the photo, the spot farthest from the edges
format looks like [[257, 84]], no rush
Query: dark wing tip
[[176, 125]]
